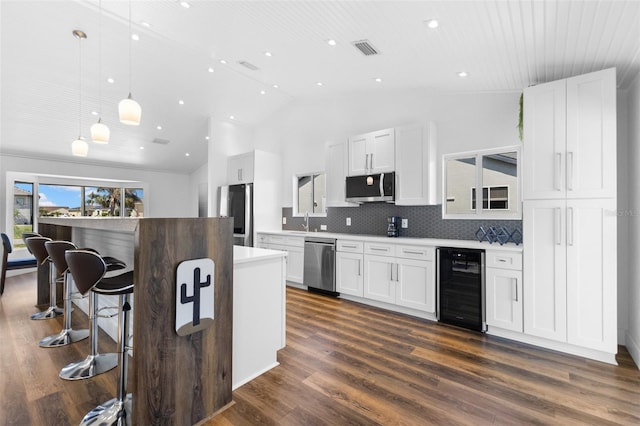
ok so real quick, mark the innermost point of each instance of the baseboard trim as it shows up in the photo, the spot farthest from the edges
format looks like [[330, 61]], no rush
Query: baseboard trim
[[633, 346]]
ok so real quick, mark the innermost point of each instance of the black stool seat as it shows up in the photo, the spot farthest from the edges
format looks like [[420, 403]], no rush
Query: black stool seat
[[120, 284]]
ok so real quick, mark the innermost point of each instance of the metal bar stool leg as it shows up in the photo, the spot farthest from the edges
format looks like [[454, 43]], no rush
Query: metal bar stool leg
[[116, 411], [53, 310], [67, 335], [95, 363]]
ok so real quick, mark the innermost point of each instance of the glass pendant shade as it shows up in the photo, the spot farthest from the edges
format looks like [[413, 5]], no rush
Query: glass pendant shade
[[79, 147], [129, 111], [100, 133]]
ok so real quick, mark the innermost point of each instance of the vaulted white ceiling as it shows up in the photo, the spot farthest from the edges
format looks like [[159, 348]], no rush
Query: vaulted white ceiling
[[502, 45]]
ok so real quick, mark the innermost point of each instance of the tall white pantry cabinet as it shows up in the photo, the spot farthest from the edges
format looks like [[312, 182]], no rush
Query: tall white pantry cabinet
[[569, 213]]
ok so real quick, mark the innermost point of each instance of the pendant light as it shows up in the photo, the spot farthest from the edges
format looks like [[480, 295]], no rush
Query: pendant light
[[79, 147], [99, 131], [128, 109]]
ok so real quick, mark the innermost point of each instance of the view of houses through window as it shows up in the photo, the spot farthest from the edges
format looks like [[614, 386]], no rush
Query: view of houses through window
[[71, 201]]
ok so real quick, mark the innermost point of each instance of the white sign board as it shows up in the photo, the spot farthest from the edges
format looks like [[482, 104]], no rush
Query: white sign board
[[194, 295]]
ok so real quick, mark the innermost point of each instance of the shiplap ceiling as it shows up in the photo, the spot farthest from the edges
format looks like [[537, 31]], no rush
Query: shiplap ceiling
[[502, 45]]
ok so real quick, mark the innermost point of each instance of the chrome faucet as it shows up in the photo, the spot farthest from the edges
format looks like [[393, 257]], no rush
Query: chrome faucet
[[305, 225]]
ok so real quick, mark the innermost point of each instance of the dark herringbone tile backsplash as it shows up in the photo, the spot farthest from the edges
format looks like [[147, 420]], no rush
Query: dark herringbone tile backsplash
[[371, 219]]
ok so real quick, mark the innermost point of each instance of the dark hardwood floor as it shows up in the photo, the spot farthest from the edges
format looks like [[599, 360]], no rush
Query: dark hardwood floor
[[344, 364]]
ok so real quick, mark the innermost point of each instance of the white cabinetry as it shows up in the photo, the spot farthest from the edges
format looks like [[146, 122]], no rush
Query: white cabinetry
[[401, 275], [415, 158], [569, 219], [336, 163], [372, 153], [503, 294], [294, 246], [240, 168], [569, 148], [349, 268]]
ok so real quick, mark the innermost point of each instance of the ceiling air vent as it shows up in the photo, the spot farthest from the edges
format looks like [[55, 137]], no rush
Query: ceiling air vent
[[365, 47], [161, 141], [248, 65]]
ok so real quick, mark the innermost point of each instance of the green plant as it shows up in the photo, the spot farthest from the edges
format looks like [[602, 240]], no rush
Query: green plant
[[521, 118]]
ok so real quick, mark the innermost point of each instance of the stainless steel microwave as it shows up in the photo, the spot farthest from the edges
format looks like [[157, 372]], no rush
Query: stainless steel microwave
[[370, 188]]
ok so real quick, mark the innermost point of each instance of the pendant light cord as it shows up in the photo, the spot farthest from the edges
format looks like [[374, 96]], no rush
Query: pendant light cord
[[130, 67], [79, 87], [100, 62]]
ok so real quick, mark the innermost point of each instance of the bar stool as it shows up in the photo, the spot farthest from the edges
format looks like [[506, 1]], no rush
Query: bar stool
[[36, 246], [95, 363], [88, 270], [67, 335]]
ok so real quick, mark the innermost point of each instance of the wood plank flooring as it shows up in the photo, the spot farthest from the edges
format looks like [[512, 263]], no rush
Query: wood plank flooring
[[344, 364]]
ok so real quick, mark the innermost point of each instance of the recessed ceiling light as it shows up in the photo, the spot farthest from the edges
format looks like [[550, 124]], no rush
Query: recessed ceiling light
[[94, 112], [378, 80], [268, 54], [263, 92], [145, 24], [159, 127], [206, 137], [185, 4], [231, 117], [142, 147], [181, 102], [462, 74], [319, 83], [223, 62], [135, 37], [186, 154], [275, 86], [110, 80], [432, 23], [210, 69], [331, 42]]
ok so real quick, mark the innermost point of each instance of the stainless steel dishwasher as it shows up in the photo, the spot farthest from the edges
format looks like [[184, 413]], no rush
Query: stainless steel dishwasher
[[320, 264]]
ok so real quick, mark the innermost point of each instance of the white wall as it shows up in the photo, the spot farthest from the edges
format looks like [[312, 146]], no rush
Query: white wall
[[632, 218], [167, 194], [464, 122]]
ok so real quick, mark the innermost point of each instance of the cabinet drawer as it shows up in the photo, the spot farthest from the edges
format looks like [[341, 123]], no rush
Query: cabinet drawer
[[380, 249], [350, 246], [294, 241], [504, 260], [416, 252], [277, 239]]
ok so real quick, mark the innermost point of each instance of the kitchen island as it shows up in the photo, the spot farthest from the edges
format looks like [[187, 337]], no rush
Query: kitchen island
[[186, 379]]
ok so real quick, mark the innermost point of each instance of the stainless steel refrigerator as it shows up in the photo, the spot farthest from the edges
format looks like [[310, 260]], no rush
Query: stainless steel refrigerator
[[236, 201]]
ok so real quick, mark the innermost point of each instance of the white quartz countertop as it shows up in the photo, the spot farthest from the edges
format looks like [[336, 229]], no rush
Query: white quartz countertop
[[243, 254], [431, 242]]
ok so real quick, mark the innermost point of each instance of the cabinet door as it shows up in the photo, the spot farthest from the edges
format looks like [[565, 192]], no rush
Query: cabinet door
[[240, 169], [336, 170], [545, 269], [295, 264], [591, 135], [381, 149], [544, 147], [415, 165], [416, 284], [349, 274], [358, 155], [591, 274], [504, 298], [379, 284]]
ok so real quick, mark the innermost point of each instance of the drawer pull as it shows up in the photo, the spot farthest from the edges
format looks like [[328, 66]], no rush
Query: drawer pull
[[349, 246], [413, 252], [502, 259], [379, 249]]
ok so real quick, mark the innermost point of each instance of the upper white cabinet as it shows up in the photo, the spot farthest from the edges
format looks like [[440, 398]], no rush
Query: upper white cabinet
[[372, 153], [415, 154], [569, 144], [240, 168], [336, 163]]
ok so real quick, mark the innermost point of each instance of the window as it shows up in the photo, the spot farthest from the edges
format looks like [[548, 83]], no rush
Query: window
[[310, 194], [495, 171], [59, 200], [22, 212], [133, 202]]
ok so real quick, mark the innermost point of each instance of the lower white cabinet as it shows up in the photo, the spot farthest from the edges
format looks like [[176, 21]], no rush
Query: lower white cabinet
[[294, 246], [349, 268], [404, 278], [503, 295]]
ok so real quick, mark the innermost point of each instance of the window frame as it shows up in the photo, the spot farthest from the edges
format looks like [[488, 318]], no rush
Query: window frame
[[295, 179]]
